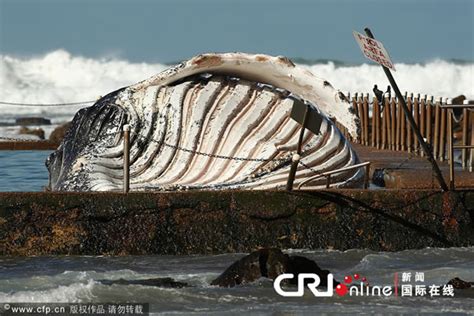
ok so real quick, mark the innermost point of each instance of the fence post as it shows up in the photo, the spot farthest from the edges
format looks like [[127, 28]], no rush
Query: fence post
[[393, 115], [374, 122], [423, 119], [409, 128], [450, 146], [416, 116], [126, 158], [465, 130], [429, 119], [385, 122], [403, 130], [471, 154], [360, 111], [367, 176], [365, 104], [442, 135], [436, 128], [296, 158]]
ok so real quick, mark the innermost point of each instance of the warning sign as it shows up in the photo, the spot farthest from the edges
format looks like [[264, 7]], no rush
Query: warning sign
[[373, 50]]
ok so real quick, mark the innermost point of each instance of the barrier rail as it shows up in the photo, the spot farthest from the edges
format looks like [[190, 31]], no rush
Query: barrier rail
[[384, 125], [329, 173], [466, 108]]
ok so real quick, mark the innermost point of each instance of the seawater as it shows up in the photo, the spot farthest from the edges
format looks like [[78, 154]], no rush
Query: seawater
[[76, 279], [61, 77], [23, 170]]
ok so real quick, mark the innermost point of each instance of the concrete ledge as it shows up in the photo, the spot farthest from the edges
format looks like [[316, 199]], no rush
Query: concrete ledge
[[232, 221], [28, 145]]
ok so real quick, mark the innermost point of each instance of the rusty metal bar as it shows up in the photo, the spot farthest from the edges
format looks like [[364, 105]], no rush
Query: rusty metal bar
[[126, 158], [296, 158], [328, 173], [367, 176]]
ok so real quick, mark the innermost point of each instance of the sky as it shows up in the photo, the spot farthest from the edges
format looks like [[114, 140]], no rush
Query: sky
[[169, 31]]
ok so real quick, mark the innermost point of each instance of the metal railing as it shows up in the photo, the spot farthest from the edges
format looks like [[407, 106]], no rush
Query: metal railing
[[328, 175], [464, 147]]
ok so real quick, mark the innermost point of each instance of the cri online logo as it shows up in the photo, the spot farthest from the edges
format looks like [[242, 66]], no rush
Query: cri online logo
[[342, 289]]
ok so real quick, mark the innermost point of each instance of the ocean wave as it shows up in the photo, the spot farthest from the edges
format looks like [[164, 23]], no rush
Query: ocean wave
[[73, 293], [59, 77]]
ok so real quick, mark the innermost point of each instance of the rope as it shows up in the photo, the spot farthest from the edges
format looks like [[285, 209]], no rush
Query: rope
[[45, 104]]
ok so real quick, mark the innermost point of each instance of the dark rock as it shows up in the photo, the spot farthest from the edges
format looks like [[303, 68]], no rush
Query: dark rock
[[268, 263], [158, 282], [245, 270], [57, 135], [30, 131], [33, 121], [298, 264], [459, 284]]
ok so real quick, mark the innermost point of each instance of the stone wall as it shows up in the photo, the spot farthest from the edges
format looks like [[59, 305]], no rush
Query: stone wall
[[232, 221]]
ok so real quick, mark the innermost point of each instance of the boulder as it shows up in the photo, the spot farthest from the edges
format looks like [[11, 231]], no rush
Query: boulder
[[32, 131], [57, 135], [33, 121], [459, 284], [268, 263]]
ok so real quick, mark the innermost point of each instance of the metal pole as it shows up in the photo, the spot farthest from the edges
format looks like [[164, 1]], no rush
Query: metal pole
[[297, 156], [367, 176], [428, 153], [126, 158]]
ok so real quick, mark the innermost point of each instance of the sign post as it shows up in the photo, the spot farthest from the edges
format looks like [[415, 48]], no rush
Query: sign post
[[309, 119], [375, 51]]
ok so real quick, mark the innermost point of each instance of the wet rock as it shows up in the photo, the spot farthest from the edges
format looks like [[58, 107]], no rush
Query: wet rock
[[459, 284], [158, 282], [298, 264], [57, 135], [32, 131], [33, 121], [268, 263]]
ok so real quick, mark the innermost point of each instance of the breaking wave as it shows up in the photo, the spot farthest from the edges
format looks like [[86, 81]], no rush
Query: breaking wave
[[75, 292], [59, 77]]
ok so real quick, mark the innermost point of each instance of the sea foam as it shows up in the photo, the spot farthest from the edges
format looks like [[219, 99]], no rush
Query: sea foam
[[60, 77]]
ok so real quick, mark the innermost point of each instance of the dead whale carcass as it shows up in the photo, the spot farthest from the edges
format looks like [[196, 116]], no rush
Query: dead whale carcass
[[217, 121]]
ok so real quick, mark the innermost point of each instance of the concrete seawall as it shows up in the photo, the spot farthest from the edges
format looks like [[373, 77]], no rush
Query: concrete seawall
[[232, 221]]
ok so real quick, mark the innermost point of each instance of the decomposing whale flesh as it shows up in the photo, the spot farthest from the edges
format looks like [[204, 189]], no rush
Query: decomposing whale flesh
[[216, 121]]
